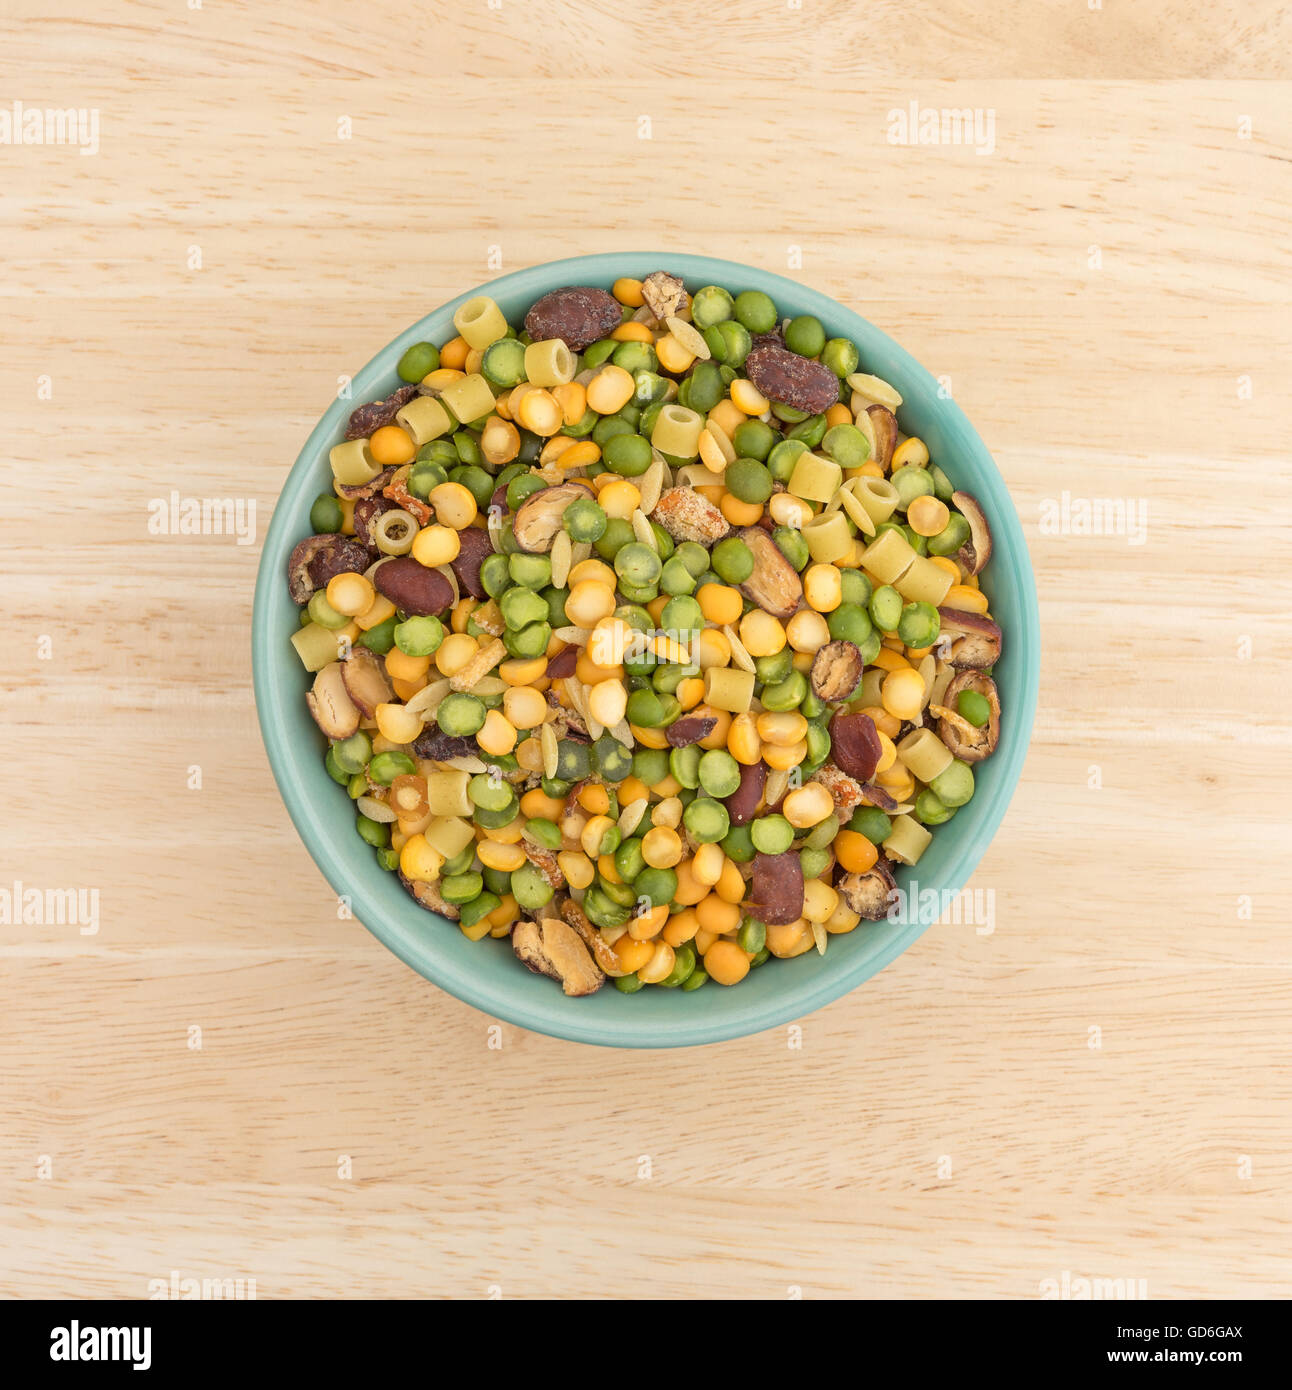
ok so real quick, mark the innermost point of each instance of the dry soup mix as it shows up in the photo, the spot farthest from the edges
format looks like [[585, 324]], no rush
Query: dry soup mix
[[641, 635]]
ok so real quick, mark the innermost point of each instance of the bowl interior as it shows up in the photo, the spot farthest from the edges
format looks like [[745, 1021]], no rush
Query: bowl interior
[[486, 974]]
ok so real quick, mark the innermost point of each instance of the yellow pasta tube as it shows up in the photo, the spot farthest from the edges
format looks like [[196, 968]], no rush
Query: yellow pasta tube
[[352, 464], [924, 754], [815, 479], [924, 582], [469, 399], [727, 687], [480, 321], [878, 496], [907, 840], [425, 419], [828, 536], [677, 431], [549, 363], [318, 646], [889, 557], [450, 835]]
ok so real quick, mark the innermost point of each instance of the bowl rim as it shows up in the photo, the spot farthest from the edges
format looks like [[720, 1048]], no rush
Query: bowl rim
[[417, 949]]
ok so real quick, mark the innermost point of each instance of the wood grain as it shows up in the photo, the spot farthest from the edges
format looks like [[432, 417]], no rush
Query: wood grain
[[1108, 293]]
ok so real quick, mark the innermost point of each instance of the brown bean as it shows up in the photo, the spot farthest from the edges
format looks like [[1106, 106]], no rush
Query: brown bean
[[681, 733], [742, 804], [776, 890], [375, 414], [317, 559], [784, 376], [578, 315], [475, 549], [854, 745], [413, 587]]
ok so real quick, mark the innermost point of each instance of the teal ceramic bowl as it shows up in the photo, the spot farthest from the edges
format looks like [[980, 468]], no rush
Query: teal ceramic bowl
[[486, 974]]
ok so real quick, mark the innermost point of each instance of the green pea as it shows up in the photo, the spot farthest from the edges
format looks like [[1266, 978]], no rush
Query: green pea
[[813, 862], [322, 612], [787, 413], [711, 305], [530, 641], [755, 311], [818, 743], [911, 483], [846, 445], [522, 487], [333, 769], [650, 710], [503, 364], [821, 836], [650, 765], [611, 427], [719, 774], [919, 625], [530, 571], [597, 353], [478, 483], [381, 638], [805, 336], [733, 561], [419, 636], [521, 606], [629, 860], [358, 786], [478, 909], [930, 810], [556, 787], [385, 767], [811, 706], [683, 967], [611, 761], [682, 614], [326, 516], [388, 859], [627, 454], [849, 623], [694, 556], [841, 356], [490, 793], [856, 587], [675, 578], [707, 820], [752, 936], [626, 984], [734, 340], [573, 760], [871, 822], [684, 765], [546, 832], [461, 888], [694, 981], [792, 545], [556, 606], [460, 862], [974, 707], [771, 670], [418, 361], [638, 564], [648, 388], [618, 533], [460, 715], [705, 387], [530, 889], [951, 537], [738, 844], [771, 834], [760, 958], [374, 832], [351, 754], [584, 520], [783, 457], [580, 429], [754, 439], [787, 694], [748, 480], [635, 357], [943, 487], [954, 785], [659, 886], [886, 608], [495, 880], [810, 431]]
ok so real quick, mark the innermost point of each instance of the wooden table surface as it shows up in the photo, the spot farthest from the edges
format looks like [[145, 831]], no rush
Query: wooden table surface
[[226, 1081]]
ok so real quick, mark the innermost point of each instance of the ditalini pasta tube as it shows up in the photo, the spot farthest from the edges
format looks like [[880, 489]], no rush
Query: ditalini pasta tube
[[549, 363], [828, 537], [814, 478], [924, 754], [878, 496], [469, 398], [677, 432], [729, 688], [923, 582], [889, 557], [353, 464], [480, 322], [907, 840], [425, 419]]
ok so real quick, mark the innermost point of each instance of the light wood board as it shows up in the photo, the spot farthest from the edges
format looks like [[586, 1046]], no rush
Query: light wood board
[[1108, 293]]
